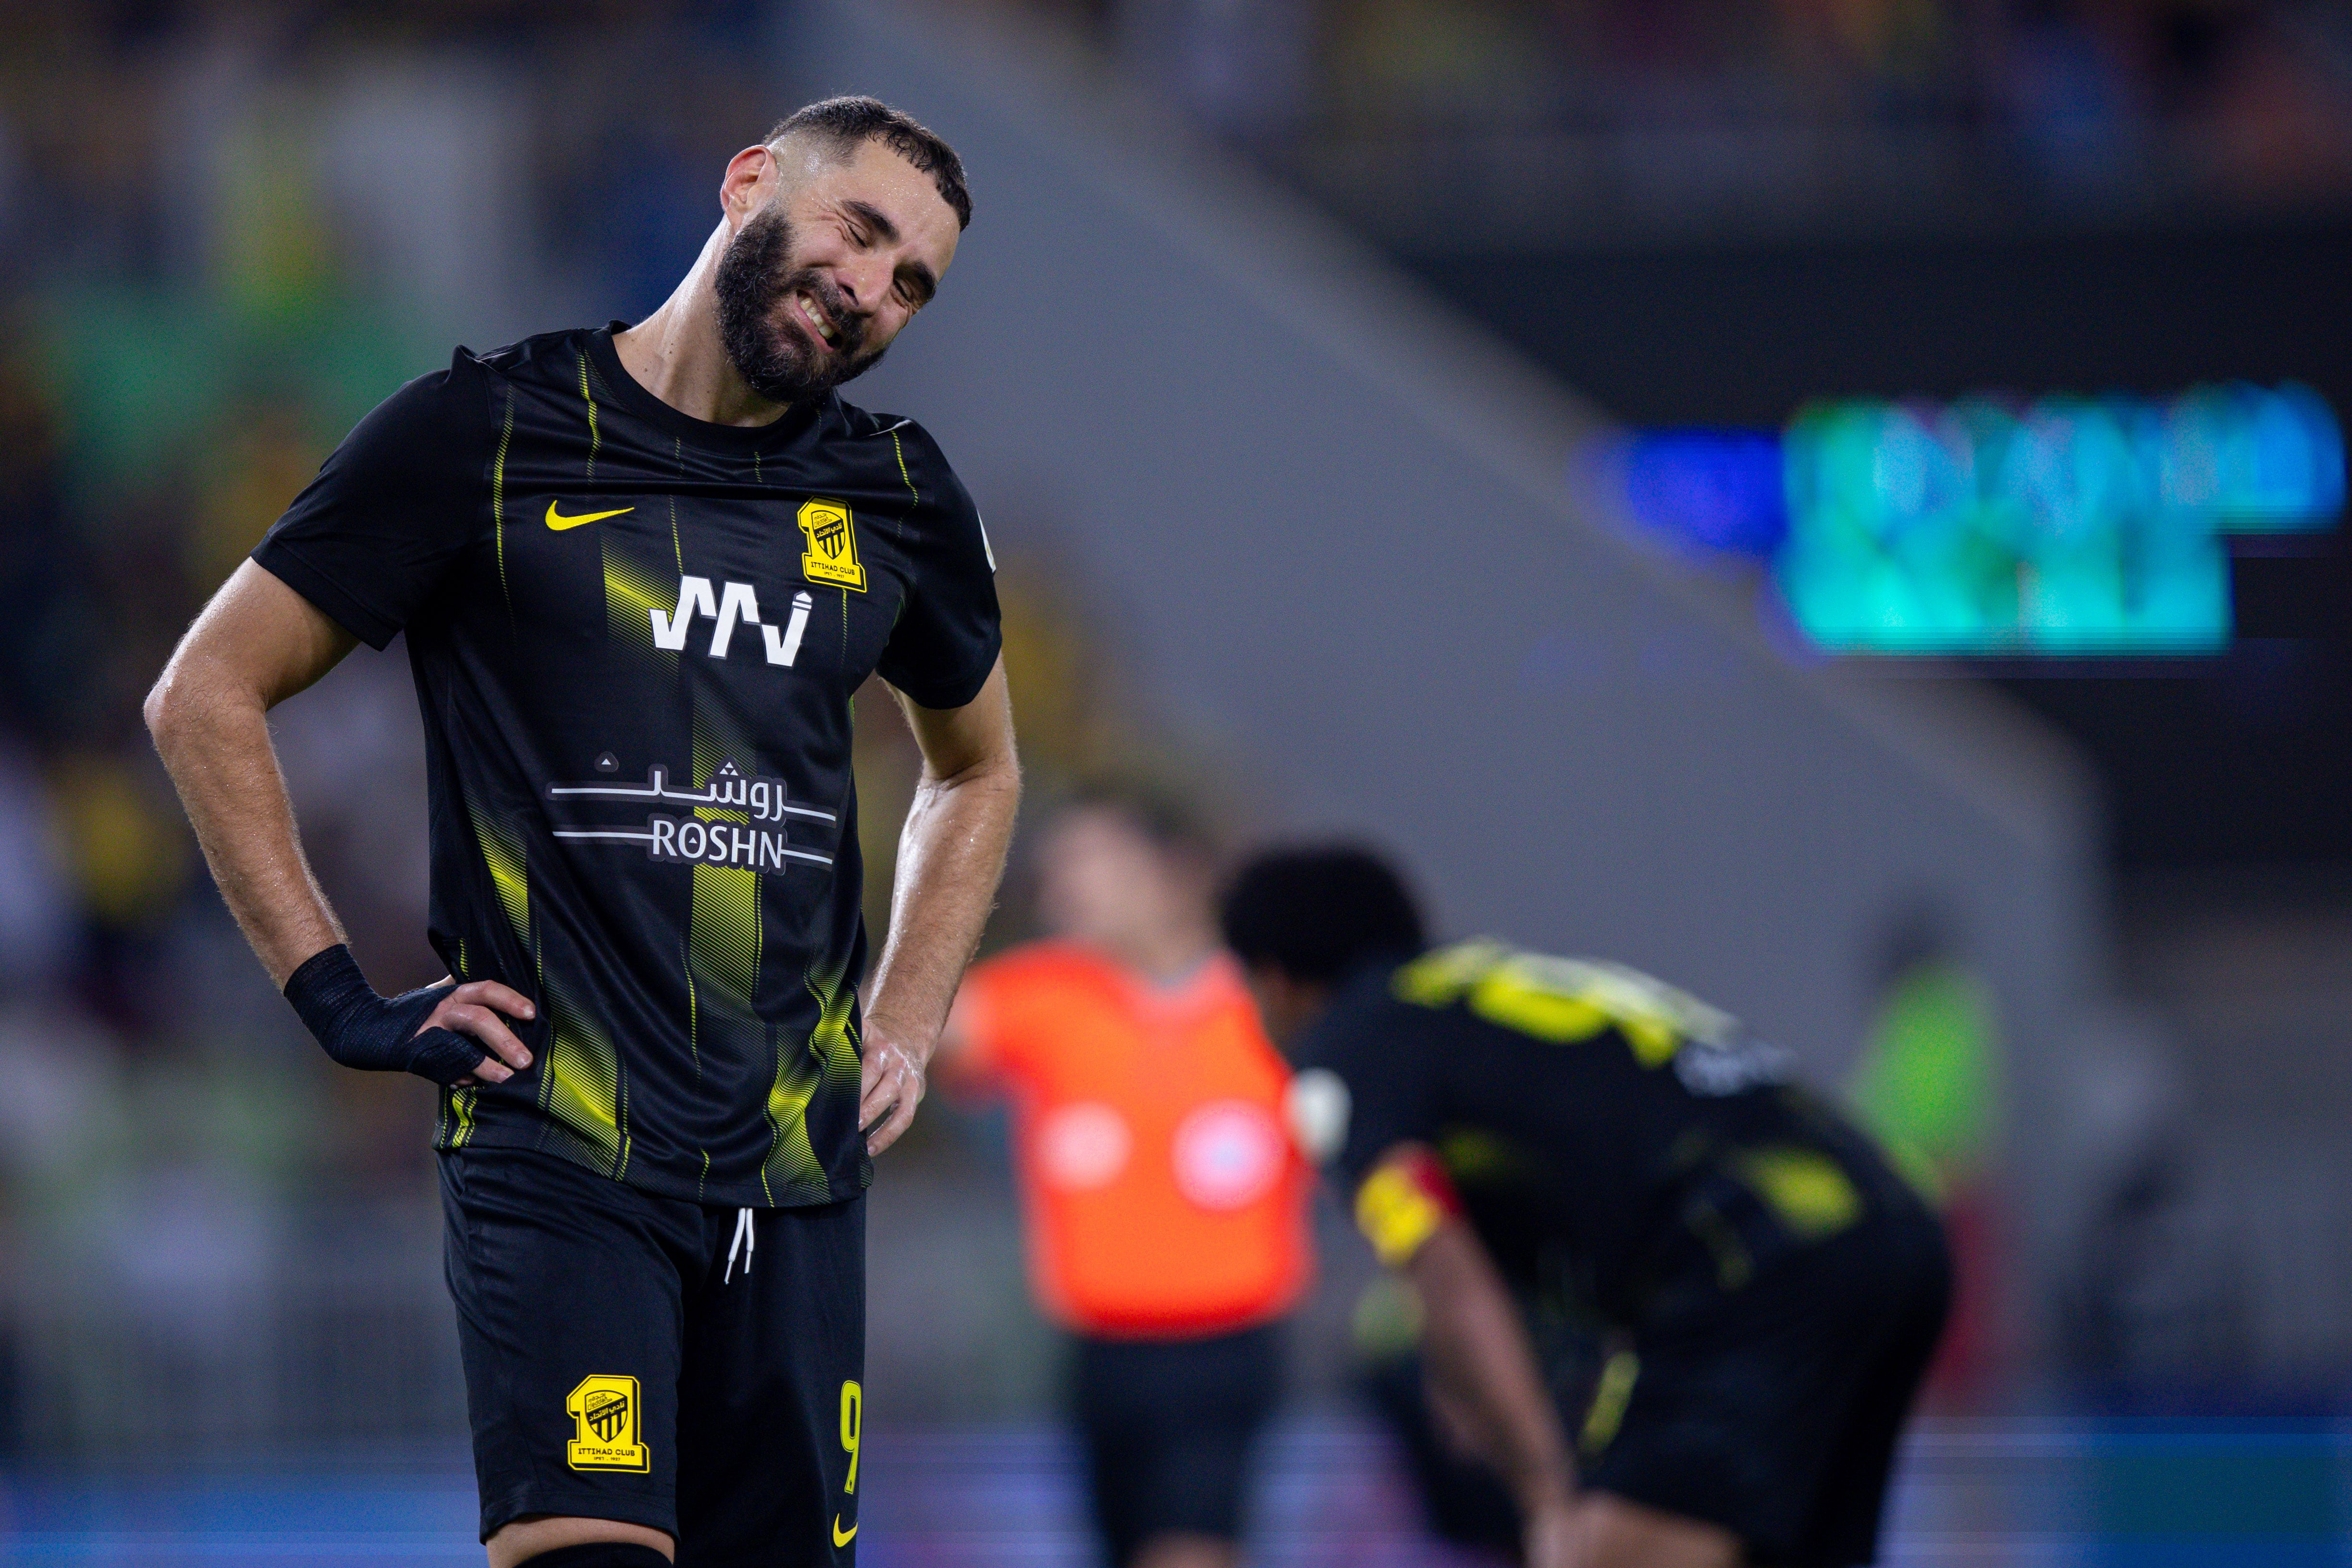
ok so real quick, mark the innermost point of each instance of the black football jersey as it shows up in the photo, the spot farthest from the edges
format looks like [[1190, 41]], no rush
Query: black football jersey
[[1576, 1104], [636, 636]]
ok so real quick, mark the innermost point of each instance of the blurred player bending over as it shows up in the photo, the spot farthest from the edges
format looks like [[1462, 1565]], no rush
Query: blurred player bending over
[[1529, 1137], [1166, 1203], [641, 572]]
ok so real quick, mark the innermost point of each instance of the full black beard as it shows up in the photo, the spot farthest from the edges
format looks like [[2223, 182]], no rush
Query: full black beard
[[755, 278]]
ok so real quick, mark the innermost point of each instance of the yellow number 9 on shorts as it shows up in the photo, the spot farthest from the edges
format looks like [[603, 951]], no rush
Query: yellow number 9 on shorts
[[853, 1417]]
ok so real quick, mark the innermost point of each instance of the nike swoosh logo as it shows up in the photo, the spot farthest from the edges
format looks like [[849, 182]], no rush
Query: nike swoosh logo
[[840, 1536], [558, 522]]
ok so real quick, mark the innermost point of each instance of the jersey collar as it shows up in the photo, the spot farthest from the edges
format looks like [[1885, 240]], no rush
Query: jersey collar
[[796, 421]]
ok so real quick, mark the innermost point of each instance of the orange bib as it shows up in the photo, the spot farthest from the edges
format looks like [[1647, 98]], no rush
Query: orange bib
[[1163, 1192]]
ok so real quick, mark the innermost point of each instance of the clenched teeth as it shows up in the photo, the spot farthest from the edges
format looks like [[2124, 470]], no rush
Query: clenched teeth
[[816, 321]]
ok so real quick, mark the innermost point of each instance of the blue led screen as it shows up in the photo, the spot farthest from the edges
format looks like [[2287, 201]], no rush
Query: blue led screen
[[1722, 490], [2063, 526]]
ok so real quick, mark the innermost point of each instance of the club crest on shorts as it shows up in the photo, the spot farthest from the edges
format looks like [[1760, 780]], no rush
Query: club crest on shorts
[[831, 555], [605, 1411]]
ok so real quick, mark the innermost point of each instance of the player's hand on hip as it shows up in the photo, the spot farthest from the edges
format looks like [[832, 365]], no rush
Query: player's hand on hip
[[472, 1010], [449, 1033], [891, 1085]]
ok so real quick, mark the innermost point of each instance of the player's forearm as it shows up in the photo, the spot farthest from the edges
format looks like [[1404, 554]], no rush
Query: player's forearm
[[951, 858], [1476, 1345], [214, 737]]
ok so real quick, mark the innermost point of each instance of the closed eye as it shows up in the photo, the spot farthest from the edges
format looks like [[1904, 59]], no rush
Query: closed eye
[[915, 285], [868, 222]]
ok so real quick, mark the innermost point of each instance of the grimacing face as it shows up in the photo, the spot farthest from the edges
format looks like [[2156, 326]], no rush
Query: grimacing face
[[831, 258]]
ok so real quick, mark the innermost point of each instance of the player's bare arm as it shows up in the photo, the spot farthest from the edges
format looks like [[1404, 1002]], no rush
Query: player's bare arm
[[1478, 1353], [1477, 1349], [951, 857], [1487, 1374], [257, 644]]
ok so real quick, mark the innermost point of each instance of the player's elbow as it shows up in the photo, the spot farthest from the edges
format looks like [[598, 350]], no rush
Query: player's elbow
[[1004, 767], [992, 770], [179, 707], [162, 709]]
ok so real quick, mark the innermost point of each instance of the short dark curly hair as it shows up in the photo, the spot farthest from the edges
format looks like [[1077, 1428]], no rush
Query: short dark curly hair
[[1317, 913], [849, 123]]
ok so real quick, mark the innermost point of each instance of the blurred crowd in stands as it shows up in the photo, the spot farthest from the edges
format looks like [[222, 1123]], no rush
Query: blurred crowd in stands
[[1457, 126], [2236, 99]]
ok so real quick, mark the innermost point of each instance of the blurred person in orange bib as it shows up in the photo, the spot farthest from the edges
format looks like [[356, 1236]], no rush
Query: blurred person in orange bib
[[1165, 1203]]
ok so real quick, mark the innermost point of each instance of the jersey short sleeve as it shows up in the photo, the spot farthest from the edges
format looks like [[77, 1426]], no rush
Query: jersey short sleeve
[[1380, 1052], [947, 638], [369, 539]]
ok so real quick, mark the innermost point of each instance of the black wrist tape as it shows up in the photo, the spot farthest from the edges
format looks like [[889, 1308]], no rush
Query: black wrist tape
[[361, 1029]]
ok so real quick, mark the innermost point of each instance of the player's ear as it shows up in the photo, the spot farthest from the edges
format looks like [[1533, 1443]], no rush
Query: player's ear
[[747, 182]]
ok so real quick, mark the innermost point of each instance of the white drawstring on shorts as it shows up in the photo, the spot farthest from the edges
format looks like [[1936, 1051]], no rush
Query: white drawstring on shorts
[[746, 1238]]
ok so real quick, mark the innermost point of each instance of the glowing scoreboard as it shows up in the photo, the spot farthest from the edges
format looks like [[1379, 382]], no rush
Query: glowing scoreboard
[[2064, 526]]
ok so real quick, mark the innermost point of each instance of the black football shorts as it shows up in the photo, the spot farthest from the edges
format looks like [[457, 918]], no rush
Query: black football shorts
[[1767, 1386], [1168, 1427], [690, 1368]]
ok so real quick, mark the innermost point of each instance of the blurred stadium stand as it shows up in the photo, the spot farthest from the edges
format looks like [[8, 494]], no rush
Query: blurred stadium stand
[[1448, 127]]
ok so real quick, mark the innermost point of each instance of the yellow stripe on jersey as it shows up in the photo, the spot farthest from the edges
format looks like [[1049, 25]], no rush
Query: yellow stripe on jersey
[[594, 440], [498, 500], [1805, 1187], [1562, 1000], [579, 1081], [503, 853], [791, 1170], [580, 1090], [722, 942], [631, 596], [903, 474]]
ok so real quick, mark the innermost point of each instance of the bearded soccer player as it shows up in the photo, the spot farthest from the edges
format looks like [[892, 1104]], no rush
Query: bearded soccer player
[[1548, 1146], [642, 570]]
